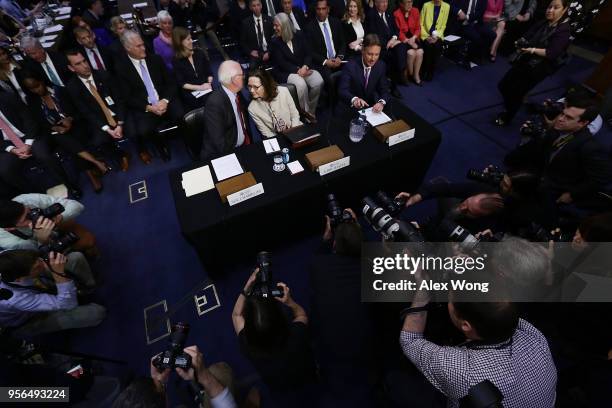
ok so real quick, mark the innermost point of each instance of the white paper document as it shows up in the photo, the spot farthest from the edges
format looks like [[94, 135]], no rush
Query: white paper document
[[227, 166], [199, 94], [140, 5], [47, 38], [271, 145], [47, 45], [53, 29], [64, 17], [295, 167], [451, 38], [197, 181], [126, 15], [375, 119], [64, 10]]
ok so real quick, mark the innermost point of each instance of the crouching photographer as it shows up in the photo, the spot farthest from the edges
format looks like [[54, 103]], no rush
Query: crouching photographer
[[30, 220], [279, 349], [30, 308]]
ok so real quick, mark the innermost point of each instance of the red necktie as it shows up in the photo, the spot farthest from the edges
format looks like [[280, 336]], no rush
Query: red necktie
[[11, 135], [99, 64], [247, 139]]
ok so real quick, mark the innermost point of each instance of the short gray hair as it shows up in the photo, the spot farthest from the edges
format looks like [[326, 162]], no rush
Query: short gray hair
[[163, 15], [228, 70], [286, 31], [521, 263], [127, 37], [28, 42]]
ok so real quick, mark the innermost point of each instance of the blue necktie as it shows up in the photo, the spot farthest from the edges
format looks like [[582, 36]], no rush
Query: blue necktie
[[328, 42], [152, 96], [52, 76]]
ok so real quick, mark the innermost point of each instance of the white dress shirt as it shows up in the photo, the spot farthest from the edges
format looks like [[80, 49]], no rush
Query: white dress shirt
[[17, 132], [232, 98], [13, 79], [137, 66], [259, 22], [52, 68], [331, 36], [294, 21], [358, 27], [92, 59]]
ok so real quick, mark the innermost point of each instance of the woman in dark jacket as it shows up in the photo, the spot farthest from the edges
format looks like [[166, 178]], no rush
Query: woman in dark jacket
[[543, 48], [191, 69]]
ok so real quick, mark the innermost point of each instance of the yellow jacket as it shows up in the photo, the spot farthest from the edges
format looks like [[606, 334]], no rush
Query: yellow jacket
[[427, 16]]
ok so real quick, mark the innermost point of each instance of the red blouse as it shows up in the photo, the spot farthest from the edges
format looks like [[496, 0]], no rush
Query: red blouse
[[410, 25]]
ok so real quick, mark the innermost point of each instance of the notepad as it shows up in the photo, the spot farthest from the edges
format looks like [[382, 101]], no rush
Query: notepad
[[227, 166], [451, 38], [53, 29], [64, 17], [375, 119], [197, 181], [199, 94], [64, 10], [139, 5], [48, 38], [295, 167], [271, 145]]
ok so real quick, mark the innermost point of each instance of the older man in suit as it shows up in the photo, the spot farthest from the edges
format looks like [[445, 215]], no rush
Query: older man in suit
[[225, 113], [48, 64], [256, 35], [364, 82], [151, 95], [295, 14], [326, 39], [100, 59]]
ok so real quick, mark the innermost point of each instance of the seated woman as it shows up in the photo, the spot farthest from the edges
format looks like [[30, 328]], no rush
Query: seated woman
[[493, 17], [291, 59], [272, 107], [408, 23], [352, 23], [117, 26], [10, 74], [191, 69], [162, 44], [434, 17], [51, 106]]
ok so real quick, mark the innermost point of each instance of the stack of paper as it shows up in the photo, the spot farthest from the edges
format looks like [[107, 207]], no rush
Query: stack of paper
[[197, 181], [295, 167], [271, 145], [63, 17], [53, 29], [64, 10], [375, 119], [227, 166], [199, 94]]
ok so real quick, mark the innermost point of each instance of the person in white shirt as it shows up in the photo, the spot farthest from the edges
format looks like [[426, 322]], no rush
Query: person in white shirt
[[10, 75]]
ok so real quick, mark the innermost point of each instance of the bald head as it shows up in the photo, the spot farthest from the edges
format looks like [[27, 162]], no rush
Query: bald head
[[230, 75]]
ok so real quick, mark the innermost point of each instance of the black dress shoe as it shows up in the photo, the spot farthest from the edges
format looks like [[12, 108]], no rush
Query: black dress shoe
[[74, 192]]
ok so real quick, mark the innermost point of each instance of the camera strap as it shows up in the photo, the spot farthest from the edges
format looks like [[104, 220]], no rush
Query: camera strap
[[19, 234]]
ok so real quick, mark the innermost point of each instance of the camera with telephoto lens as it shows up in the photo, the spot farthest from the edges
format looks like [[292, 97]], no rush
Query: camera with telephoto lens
[[50, 212], [521, 43], [482, 395], [175, 356], [549, 108], [58, 243], [263, 286], [393, 206], [336, 214], [534, 128], [491, 175], [389, 227], [468, 242]]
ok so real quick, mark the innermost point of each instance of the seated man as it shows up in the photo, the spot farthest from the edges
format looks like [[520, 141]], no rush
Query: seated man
[[13, 9], [381, 22], [98, 99], [30, 310], [501, 348], [295, 14], [100, 59], [225, 117], [151, 94], [94, 14], [470, 25], [21, 140], [364, 81], [48, 64], [326, 38], [20, 231], [256, 35]]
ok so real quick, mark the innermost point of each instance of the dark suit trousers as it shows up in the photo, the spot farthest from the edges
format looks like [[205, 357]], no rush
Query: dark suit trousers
[[517, 83], [395, 58], [431, 54], [144, 126], [481, 36]]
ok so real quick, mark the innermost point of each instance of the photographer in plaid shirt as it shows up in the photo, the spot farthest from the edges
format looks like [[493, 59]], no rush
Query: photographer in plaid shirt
[[500, 347]]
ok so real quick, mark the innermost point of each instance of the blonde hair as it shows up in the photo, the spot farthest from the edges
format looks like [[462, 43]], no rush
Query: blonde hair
[[360, 13]]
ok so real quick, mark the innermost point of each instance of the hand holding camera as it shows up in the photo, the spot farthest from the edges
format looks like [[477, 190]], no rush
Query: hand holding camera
[[43, 228], [57, 265], [409, 199]]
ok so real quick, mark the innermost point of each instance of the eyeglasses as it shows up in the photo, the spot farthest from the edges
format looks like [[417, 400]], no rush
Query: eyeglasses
[[253, 87]]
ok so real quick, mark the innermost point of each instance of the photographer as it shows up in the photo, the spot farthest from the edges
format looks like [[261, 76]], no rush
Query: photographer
[[31, 310], [540, 53], [500, 347], [279, 350], [20, 231], [151, 392]]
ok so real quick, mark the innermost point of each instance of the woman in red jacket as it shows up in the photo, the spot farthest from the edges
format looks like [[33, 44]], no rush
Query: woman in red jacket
[[407, 20]]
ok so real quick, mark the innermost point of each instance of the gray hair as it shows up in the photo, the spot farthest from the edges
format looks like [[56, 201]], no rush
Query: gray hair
[[28, 42], [228, 70], [286, 31], [115, 21], [128, 36], [163, 15]]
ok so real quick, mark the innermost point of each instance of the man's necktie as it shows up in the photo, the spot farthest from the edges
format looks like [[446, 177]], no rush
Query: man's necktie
[[328, 42], [384, 19], [259, 33], [107, 113], [247, 138], [367, 76], [98, 60], [151, 94], [51, 75], [11, 135]]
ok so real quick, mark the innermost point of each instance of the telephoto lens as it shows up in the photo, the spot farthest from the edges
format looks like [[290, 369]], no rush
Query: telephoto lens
[[50, 212], [175, 356], [393, 206]]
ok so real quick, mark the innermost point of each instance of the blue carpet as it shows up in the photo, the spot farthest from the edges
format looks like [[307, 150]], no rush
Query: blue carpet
[[145, 258]]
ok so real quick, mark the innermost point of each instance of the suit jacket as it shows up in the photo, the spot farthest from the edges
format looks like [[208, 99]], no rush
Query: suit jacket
[[376, 25], [221, 127], [59, 61], [427, 16], [18, 115], [478, 9], [299, 16], [93, 20], [86, 104], [36, 110], [286, 62], [248, 33], [318, 49], [105, 54], [195, 74], [352, 83], [337, 8], [133, 87]]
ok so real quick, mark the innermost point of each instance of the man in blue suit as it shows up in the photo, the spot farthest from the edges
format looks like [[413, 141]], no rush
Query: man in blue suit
[[470, 25], [364, 82]]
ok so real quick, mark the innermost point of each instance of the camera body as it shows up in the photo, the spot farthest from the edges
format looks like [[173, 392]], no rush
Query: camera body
[[336, 214], [468, 242], [59, 244], [264, 287], [50, 212], [388, 226], [393, 206], [175, 356], [491, 175], [521, 43]]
